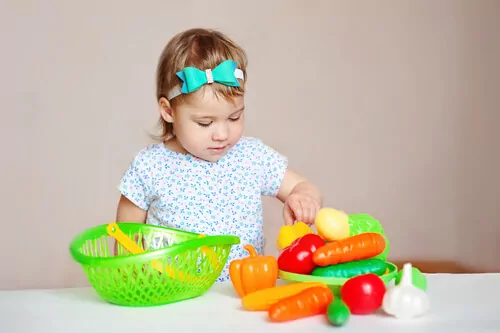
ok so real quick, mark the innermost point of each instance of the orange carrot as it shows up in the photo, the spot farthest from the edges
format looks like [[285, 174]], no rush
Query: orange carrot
[[309, 302], [261, 300], [362, 246]]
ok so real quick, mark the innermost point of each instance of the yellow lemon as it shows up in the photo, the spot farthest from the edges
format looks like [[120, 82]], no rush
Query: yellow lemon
[[332, 224]]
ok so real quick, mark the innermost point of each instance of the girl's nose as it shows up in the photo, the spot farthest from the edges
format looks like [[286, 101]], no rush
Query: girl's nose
[[220, 134]]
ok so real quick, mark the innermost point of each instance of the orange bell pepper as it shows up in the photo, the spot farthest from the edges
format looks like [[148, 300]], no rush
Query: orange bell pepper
[[253, 273], [289, 233]]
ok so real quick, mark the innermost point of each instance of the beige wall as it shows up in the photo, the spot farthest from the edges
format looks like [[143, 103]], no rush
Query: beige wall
[[400, 100]]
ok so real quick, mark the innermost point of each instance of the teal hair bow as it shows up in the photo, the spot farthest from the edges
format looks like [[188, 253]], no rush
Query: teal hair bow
[[225, 73]]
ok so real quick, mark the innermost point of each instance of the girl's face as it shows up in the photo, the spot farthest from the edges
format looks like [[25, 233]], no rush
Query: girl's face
[[206, 126]]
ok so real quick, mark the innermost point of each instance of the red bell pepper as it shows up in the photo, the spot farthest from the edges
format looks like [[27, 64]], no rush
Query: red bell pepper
[[298, 256]]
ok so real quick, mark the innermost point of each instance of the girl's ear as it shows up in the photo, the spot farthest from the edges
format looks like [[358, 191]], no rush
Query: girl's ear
[[166, 111]]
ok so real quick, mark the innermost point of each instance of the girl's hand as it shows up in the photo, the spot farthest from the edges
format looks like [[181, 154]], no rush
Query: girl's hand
[[302, 200], [300, 207]]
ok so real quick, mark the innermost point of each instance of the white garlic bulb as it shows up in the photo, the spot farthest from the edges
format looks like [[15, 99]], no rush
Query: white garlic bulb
[[405, 301]]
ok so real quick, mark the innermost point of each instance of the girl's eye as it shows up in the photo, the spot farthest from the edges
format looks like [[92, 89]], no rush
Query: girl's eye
[[234, 119], [204, 124]]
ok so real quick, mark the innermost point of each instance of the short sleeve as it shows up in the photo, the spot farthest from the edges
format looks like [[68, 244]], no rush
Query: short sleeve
[[136, 183], [274, 166]]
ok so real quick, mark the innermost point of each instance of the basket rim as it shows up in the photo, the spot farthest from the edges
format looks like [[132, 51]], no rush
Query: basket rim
[[194, 243]]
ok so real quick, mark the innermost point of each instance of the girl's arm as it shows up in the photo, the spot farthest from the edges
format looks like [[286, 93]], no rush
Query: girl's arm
[[293, 183], [127, 211]]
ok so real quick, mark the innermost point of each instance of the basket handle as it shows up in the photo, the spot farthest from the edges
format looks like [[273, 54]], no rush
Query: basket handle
[[114, 231], [208, 252]]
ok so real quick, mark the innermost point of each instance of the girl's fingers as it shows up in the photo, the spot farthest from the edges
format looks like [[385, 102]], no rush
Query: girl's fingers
[[288, 215], [301, 209]]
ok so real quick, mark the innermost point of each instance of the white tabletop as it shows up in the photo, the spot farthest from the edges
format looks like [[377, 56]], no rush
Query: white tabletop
[[460, 303]]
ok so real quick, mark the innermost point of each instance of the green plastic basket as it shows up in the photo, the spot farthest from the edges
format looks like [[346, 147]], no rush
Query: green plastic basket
[[333, 283], [189, 264]]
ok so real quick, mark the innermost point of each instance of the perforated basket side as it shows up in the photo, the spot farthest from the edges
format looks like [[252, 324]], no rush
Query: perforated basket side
[[139, 284]]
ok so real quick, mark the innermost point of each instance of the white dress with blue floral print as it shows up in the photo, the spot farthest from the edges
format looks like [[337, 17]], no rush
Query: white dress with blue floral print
[[184, 192]]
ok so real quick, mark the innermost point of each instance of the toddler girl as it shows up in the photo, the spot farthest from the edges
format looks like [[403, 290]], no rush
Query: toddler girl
[[204, 176]]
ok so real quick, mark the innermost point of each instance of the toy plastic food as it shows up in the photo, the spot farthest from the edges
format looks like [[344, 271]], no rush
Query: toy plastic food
[[405, 300], [307, 303], [352, 268], [362, 246], [418, 279], [338, 312], [363, 294], [289, 233], [298, 257], [361, 223], [262, 299], [332, 224], [253, 273]]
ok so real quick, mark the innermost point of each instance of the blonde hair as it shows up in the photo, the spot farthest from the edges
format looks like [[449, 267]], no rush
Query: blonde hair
[[200, 48]]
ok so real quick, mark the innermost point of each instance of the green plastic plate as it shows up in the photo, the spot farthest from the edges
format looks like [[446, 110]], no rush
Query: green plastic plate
[[334, 283]]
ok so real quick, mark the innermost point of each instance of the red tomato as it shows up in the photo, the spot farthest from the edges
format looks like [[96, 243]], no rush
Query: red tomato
[[363, 294]]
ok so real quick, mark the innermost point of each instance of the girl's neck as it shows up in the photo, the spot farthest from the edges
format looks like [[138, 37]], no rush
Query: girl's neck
[[174, 145]]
